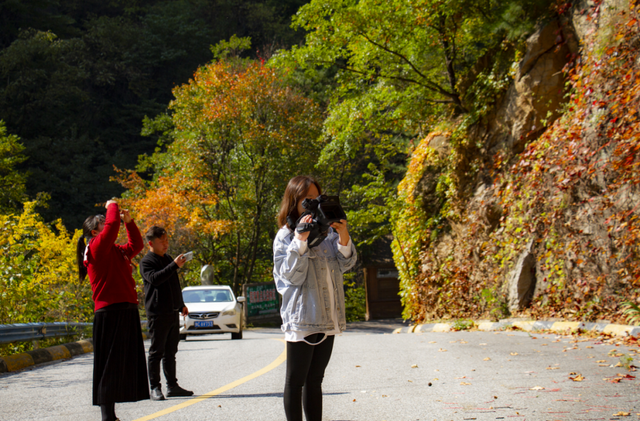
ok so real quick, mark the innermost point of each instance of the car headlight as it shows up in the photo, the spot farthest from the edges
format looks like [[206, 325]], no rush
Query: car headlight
[[229, 312]]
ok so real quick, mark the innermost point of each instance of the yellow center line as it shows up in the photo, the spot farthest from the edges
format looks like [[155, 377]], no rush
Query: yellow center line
[[282, 358]]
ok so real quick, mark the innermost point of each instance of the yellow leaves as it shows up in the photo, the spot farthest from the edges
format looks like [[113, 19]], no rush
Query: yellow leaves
[[40, 278], [421, 156], [577, 377]]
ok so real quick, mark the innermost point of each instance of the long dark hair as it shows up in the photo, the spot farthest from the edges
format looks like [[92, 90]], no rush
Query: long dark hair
[[296, 189], [90, 224]]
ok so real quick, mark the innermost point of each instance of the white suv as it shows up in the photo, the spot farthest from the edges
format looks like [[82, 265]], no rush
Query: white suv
[[212, 309]]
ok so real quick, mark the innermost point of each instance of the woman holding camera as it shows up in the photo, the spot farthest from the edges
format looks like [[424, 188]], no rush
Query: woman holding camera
[[311, 284], [119, 368]]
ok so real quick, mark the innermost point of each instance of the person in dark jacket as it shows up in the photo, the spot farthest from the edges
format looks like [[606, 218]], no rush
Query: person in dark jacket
[[164, 304]]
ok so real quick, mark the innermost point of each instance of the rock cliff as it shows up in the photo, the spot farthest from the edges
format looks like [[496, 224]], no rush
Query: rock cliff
[[542, 218]]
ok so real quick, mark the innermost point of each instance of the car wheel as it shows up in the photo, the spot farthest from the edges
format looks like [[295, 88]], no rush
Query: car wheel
[[236, 335], [183, 337]]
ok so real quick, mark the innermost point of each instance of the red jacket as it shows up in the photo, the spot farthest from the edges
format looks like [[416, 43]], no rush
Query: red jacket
[[109, 264]]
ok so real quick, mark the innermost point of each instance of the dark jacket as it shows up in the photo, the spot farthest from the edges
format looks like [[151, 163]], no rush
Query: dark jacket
[[162, 293]]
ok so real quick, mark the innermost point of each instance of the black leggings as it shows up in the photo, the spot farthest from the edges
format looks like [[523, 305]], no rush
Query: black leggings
[[305, 371]]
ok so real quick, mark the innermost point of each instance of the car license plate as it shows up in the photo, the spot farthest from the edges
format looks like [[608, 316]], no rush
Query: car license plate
[[207, 323]]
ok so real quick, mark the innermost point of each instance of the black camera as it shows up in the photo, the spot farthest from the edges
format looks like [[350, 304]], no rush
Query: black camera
[[324, 210]]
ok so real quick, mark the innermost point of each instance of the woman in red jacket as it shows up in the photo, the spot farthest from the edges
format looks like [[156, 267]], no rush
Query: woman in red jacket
[[119, 367]]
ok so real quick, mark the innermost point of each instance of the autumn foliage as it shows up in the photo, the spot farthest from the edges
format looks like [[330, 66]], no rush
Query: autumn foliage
[[38, 275], [238, 134], [572, 197]]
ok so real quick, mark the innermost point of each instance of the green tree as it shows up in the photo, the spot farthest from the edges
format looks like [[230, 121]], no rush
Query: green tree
[[239, 135], [12, 181], [401, 67], [80, 77]]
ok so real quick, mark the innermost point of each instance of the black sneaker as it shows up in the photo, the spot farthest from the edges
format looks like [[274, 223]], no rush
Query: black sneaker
[[177, 391], [156, 394]]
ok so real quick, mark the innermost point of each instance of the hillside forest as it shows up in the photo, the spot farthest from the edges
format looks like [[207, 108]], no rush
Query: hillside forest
[[493, 144]]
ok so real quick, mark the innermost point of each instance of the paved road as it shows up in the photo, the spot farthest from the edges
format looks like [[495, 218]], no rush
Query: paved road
[[373, 375]]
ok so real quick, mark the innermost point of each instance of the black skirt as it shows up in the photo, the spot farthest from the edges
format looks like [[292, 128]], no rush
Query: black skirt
[[119, 365]]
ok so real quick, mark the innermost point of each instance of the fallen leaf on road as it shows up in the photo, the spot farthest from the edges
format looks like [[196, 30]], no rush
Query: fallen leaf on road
[[410, 381], [442, 350], [384, 396], [601, 361], [545, 344], [626, 376], [552, 368], [465, 384], [577, 378], [463, 377], [589, 347], [433, 342], [414, 366], [514, 353], [435, 380], [487, 359], [481, 344], [354, 400], [537, 388], [622, 414], [612, 380], [357, 366], [463, 342]]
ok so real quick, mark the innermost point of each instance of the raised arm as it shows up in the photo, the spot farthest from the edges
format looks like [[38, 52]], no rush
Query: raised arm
[[103, 242], [135, 243], [290, 262]]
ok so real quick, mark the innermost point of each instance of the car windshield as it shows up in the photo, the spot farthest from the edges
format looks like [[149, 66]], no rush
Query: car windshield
[[207, 296]]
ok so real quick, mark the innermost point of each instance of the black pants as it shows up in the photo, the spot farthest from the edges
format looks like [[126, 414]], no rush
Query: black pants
[[164, 332], [305, 372]]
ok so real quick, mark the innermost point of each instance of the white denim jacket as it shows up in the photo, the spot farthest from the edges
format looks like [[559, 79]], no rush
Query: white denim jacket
[[301, 280]]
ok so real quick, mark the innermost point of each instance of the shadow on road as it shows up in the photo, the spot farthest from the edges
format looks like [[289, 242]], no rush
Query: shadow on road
[[376, 326]]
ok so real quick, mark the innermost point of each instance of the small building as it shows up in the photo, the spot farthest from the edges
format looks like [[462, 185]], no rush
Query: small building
[[382, 282]]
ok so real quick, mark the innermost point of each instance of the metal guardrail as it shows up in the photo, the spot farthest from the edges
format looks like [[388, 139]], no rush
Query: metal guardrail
[[24, 332]]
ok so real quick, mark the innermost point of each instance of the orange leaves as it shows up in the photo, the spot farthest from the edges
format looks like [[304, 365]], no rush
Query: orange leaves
[[576, 377], [239, 133]]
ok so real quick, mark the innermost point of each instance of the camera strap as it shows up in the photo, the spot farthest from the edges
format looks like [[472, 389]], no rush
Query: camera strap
[[316, 235]]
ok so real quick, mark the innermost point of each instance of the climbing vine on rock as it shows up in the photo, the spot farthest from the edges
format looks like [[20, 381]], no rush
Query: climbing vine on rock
[[571, 199]]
